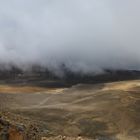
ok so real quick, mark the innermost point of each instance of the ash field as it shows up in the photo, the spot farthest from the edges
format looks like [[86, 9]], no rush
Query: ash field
[[105, 111]]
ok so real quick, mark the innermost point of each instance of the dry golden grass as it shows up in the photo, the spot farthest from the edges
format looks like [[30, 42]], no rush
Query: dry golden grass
[[125, 86], [27, 89]]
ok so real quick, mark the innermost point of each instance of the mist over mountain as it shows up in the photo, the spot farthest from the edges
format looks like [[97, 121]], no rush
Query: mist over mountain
[[85, 35]]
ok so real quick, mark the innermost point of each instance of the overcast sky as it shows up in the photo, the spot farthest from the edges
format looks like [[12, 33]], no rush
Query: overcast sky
[[86, 35]]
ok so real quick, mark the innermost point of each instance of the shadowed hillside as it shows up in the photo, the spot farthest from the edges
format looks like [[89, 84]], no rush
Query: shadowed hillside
[[38, 76]]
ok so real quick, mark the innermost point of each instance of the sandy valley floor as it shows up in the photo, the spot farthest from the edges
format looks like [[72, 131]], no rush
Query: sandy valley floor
[[108, 111]]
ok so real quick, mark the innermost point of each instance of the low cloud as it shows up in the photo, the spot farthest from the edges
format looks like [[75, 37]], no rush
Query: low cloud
[[85, 35]]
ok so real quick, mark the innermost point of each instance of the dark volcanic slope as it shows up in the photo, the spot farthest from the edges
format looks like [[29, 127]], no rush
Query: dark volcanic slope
[[42, 77], [110, 111]]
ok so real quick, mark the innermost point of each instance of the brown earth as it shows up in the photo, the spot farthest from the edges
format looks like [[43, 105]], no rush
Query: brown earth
[[109, 111]]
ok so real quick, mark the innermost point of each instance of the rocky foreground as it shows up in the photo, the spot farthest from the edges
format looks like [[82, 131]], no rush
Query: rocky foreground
[[18, 128], [109, 111], [15, 127]]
